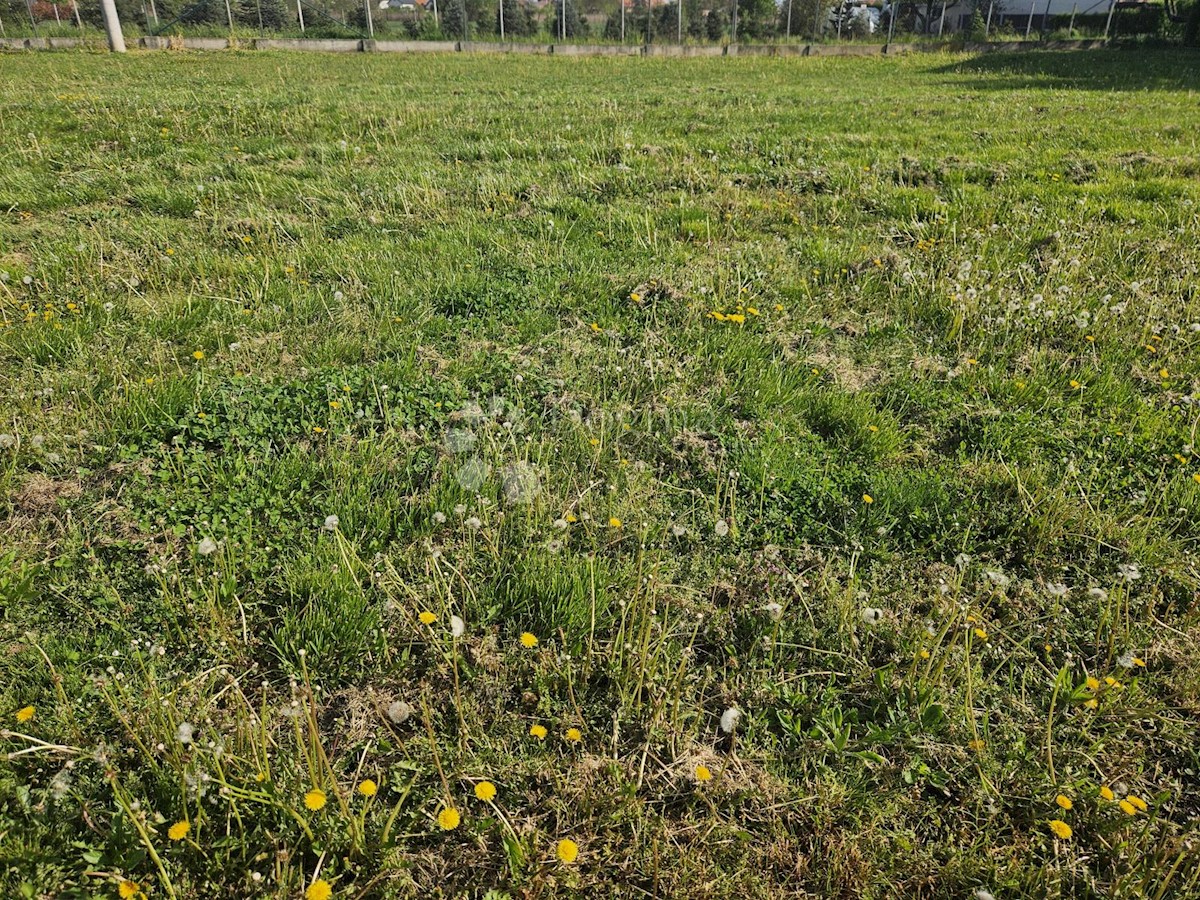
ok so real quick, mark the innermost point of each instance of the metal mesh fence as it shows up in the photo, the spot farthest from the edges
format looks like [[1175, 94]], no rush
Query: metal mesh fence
[[630, 23]]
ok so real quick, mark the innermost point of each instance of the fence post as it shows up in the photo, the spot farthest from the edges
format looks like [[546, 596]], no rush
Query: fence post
[[987, 28], [942, 20], [229, 15], [1112, 5], [1071, 27], [300, 14], [1029, 21], [112, 25], [789, 21], [891, 21], [501, 7], [680, 2], [370, 22], [1046, 19]]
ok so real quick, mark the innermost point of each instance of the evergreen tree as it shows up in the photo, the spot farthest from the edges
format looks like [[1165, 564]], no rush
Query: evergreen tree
[[715, 25], [454, 20], [756, 19], [269, 14], [517, 19], [576, 27]]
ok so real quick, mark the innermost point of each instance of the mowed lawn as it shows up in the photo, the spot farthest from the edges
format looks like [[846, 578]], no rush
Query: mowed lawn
[[465, 476]]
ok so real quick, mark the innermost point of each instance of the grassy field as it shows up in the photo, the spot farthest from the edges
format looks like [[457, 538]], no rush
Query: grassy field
[[546, 478]]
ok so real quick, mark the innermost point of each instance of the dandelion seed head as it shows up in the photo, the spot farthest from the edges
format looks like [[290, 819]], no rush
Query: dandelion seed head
[[207, 547], [331, 523], [399, 712], [729, 719]]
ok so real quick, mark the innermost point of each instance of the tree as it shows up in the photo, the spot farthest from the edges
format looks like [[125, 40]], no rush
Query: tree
[[517, 20], [756, 18], [454, 19], [714, 25], [1191, 27], [269, 14], [576, 27]]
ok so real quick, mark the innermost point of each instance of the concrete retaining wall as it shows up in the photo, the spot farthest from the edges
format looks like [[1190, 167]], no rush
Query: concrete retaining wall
[[664, 50], [414, 46], [322, 46]]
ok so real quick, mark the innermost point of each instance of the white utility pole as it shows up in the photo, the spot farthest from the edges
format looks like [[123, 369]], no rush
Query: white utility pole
[[112, 25], [501, 19]]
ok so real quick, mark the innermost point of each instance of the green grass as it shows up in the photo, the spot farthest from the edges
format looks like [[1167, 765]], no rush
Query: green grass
[[466, 305]]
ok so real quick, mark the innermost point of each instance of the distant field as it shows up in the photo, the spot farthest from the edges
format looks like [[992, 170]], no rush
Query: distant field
[[411, 467]]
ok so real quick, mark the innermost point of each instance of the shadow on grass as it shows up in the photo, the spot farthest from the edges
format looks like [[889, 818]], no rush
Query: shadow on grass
[[1096, 70]]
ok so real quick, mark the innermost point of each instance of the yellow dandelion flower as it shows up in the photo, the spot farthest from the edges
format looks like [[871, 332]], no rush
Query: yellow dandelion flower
[[778, 307], [1060, 828], [1138, 802], [334, 404], [538, 731], [528, 640], [569, 517], [1196, 477], [574, 735], [719, 316], [485, 790], [752, 310], [179, 830], [1091, 703], [867, 498], [566, 851], [1111, 682], [198, 355], [25, 713], [595, 327], [1163, 373], [427, 618], [977, 744], [368, 788], [981, 634], [1139, 662], [736, 318], [614, 522], [635, 297], [1106, 793], [1064, 801], [1075, 385], [318, 890], [703, 773], [1093, 684], [923, 653], [1128, 808], [315, 799], [1090, 339], [127, 889], [448, 819]]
